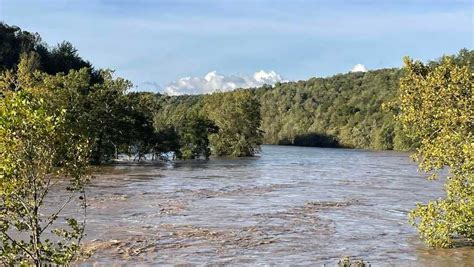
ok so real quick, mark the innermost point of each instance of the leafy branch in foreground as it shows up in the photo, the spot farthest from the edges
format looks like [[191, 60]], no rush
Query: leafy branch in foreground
[[37, 152], [436, 106]]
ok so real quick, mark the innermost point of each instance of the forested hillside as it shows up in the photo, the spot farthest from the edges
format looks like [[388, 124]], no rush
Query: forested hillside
[[344, 110], [340, 111]]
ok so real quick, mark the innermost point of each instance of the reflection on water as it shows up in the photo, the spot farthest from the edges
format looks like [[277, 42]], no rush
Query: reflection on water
[[291, 205]]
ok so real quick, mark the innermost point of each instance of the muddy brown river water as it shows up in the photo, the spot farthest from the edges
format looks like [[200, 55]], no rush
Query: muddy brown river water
[[290, 206]]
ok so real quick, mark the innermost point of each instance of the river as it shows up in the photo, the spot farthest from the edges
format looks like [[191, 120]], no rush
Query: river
[[289, 206]]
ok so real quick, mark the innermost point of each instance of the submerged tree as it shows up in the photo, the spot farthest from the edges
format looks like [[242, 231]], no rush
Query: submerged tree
[[436, 105], [107, 118], [194, 131], [36, 152], [184, 130], [237, 117]]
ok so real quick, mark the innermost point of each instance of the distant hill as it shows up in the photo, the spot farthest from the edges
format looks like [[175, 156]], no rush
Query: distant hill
[[342, 110]]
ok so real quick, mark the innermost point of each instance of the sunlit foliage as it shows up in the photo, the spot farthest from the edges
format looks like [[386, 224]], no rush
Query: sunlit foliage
[[36, 151], [436, 106], [237, 117]]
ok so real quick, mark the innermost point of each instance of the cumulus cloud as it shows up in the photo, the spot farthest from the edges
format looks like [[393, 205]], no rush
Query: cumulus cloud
[[214, 82], [359, 68]]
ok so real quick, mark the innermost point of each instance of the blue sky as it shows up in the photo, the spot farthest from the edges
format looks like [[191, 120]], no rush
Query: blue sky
[[160, 42]]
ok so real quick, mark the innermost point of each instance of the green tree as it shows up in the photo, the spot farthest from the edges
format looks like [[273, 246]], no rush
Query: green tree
[[140, 137], [107, 119], [14, 42], [384, 136], [183, 128], [62, 58], [193, 133], [37, 151], [237, 117], [436, 105]]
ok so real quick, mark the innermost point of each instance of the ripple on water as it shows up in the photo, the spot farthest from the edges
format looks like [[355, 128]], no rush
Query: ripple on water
[[290, 206]]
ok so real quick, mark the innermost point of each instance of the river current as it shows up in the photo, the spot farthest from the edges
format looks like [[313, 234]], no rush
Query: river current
[[288, 206]]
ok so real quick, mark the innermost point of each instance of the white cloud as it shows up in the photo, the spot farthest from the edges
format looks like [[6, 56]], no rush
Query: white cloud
[[214, 82], [359, 68]]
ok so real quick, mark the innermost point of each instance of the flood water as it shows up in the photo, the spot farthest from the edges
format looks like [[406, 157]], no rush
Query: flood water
[[290, 206]]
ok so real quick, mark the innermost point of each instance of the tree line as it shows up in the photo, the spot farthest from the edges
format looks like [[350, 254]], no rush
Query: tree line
[[115, 120], [344, 110]]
